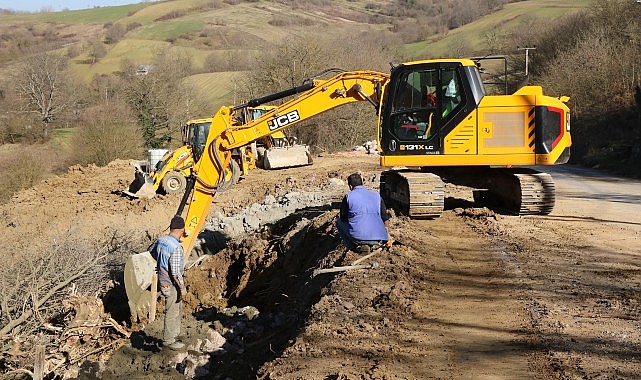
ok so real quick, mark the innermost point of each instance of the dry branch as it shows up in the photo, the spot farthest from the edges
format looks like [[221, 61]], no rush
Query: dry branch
[[43, 294], [37, 302]]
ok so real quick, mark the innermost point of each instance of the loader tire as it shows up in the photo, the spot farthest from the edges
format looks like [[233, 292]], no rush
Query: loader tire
[[173, 182]]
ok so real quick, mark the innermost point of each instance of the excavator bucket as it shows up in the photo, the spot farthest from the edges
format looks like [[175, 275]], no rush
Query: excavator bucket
[[287, 157], [142, 185], [139, 271]]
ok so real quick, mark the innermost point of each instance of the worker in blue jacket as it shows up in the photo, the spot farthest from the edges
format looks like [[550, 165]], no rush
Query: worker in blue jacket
[[170, 267], [363, 217]]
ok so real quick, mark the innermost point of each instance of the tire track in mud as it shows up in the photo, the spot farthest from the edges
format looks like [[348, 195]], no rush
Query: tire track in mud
[[479, 301], [580, 291], [487, 223]]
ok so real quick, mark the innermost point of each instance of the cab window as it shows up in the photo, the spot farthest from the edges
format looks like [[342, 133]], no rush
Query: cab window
[[451, 91], [414, 105]]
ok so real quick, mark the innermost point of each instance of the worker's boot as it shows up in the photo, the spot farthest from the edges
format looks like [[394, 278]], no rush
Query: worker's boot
[[176, 345], [363, 249]]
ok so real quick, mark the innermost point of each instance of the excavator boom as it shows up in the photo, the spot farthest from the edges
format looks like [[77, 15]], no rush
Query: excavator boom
[[318, 96]]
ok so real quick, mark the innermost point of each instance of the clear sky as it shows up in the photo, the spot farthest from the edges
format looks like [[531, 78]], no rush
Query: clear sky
[[58, 5]]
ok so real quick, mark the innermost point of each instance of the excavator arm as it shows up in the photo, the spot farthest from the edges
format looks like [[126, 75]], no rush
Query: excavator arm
[[316, 96]]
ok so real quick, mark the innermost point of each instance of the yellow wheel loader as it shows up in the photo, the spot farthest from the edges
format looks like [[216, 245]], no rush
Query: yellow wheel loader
[[169, 174], [436, 124]]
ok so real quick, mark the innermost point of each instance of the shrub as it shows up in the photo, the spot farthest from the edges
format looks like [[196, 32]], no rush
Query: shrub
[[21, 172], [114, 33], [171, 15], [280, 20], [133, 25], [73, 51], [108, 132]]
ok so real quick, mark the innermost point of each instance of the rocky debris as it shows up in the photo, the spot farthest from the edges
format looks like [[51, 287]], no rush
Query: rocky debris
[[273, 209], [369, 147]]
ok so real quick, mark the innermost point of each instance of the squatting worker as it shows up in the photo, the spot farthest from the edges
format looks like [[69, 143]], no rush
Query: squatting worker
[[170, 267], [363, 217]]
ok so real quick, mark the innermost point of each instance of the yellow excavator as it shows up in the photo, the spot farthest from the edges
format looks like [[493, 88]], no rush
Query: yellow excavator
[[436, 124], [169, 175]]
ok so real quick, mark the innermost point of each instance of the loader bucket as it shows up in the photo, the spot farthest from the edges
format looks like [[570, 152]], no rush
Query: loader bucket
[[142, 185], [139, 270], [278, 158]]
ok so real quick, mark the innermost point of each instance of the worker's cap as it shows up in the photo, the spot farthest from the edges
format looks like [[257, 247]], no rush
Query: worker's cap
[[177, 223]]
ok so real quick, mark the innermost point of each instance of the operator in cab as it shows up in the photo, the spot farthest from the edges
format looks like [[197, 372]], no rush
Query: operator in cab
[[362, 222]]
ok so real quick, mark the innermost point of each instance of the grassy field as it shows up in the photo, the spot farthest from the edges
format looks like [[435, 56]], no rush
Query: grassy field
[[61, 139], [140, 52], [167, 30], [98, 15], [218, 88], [153, 11], [504, 22]]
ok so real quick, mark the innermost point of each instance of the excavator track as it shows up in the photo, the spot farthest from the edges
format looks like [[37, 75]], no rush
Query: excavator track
[[416, 194], [538, 193], [523, 192]]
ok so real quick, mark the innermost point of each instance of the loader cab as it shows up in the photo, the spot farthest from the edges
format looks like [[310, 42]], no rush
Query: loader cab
[[424, 101], [195, 135]]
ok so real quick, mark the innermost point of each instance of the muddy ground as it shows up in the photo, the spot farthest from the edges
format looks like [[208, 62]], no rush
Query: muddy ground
[[472, 294]]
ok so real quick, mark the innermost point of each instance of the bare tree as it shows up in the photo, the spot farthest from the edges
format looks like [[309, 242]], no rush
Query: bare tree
[[96, 50], [492, 41], [40, 83], [298, 58]]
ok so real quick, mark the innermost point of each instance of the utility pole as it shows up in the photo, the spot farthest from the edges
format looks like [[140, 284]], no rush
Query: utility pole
[[527, 56]]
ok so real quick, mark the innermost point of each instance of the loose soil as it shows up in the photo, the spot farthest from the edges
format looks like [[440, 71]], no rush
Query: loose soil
[[472, 294]]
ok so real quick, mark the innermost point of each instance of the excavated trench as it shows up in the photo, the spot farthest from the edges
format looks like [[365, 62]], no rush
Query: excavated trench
[[250, 292], [273, 274], [248, 298]]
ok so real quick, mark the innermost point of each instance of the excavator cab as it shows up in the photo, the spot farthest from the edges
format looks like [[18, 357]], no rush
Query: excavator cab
[[424, 102]]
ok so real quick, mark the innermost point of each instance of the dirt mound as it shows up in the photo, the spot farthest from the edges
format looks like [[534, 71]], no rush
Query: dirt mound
[[83, 201]]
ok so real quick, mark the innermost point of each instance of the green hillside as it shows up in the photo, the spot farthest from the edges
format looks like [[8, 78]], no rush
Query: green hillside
[[199, 28], [505, 22], [98, 15], [217, 88]]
